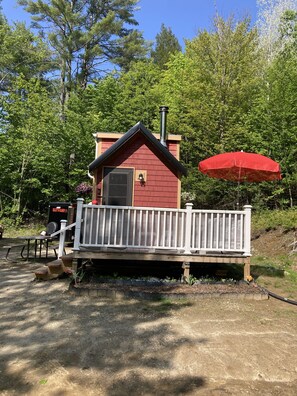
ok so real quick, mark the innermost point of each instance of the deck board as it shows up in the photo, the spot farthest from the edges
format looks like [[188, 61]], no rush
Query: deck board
[[138, 255]]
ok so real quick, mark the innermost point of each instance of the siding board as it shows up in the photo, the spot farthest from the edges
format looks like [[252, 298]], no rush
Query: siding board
[[162, 186]]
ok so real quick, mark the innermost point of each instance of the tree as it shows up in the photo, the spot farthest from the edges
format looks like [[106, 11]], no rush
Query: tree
[[101, 99], [32, 148], [22, 53], [270, 13], [219, 82], [275, 112], [139, 97], [288, 31], [166, 45], [211, 89], [84, 34]]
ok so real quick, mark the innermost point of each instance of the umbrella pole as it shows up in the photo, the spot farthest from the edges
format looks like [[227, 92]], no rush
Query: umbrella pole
[[238, 181], [237, 203]]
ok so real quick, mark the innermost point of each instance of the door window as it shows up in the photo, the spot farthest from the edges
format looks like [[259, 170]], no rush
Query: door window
[[117, 186]]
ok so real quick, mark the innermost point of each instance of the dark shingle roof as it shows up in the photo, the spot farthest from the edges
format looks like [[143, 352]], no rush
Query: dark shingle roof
[[139, 127]]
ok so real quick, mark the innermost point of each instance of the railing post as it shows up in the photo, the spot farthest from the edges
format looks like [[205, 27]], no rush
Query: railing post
[[79, 208], [247, 229], [188, 227], [62, 238]]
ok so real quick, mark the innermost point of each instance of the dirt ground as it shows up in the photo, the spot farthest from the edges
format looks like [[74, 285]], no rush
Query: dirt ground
[[273, 242], [53, 343]]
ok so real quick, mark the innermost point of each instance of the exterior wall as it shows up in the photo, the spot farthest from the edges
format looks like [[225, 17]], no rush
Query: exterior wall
[[104, 142], [162, 186]]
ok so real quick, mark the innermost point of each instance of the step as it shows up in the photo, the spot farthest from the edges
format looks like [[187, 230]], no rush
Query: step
[[43, 273], [67, 260], [56, 267]]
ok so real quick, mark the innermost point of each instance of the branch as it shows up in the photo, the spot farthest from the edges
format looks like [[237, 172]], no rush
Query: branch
[[9, 196]]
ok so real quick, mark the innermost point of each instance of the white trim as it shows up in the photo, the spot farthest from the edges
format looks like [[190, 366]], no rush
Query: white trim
[[125, 227]]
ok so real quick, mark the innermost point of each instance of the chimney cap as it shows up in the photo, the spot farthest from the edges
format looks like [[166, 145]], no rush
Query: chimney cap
[[163, 109]]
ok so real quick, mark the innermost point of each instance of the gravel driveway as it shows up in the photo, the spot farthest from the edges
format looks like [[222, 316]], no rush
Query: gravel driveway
[[52, 343]]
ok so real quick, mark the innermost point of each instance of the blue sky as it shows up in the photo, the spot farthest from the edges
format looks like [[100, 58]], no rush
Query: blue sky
[[184, 17]]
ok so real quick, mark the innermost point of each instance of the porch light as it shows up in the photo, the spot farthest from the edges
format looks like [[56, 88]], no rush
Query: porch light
[[141, 177]]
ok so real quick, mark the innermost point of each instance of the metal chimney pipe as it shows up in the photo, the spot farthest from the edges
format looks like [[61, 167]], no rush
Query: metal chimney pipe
[[163, 121]]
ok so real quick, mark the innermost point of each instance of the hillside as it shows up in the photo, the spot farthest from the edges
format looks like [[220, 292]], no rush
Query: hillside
[[274, 242], [274, 265]]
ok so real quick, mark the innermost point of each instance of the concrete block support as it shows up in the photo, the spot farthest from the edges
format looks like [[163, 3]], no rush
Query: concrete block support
[[186, 268]]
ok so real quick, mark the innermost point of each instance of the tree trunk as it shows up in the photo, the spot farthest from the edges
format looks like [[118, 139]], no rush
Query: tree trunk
[[63, 88], [291, 198]]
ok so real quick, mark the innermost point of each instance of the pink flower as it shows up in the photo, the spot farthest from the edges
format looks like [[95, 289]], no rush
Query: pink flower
[[83, 188]]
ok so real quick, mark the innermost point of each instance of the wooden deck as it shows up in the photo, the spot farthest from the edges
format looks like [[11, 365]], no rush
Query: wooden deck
[[160, 256], [162, 235]]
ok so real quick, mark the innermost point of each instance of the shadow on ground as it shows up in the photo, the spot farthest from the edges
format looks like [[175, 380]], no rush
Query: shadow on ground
[[260, 270], [46, 337], [52, 343]]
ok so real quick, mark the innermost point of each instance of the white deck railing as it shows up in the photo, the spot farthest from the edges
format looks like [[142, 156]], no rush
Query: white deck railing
[[185, 230]]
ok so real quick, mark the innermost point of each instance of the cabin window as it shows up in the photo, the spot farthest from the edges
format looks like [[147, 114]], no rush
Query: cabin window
[[117, 186]]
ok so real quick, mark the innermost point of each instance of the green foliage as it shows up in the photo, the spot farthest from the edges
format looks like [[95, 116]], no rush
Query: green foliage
[[274, 116], [77, 276], [13, 230], [267, 219], [221, 78], [191, 280], [210, 91], [96, 105], [85, 34], [22, 53], [166, 45], [222, 93], [31, 159], [138, 88]]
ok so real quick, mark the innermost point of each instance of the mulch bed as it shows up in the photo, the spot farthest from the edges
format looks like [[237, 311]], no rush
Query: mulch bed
[[121, 290]]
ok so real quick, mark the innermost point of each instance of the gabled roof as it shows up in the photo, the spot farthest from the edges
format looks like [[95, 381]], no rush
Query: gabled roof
[[138, 128]]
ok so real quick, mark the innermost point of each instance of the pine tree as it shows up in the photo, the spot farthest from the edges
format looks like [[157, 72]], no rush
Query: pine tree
[[166, 45], [84, 34]]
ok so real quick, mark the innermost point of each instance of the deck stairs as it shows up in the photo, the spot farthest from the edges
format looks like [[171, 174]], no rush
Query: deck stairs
[[55, 268]]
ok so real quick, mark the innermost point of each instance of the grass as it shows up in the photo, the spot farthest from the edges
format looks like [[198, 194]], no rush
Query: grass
[[276, 272], [270, 219], [14, 232]]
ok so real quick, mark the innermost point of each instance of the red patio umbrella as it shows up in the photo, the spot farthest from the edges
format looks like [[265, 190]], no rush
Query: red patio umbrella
[[240, 166]]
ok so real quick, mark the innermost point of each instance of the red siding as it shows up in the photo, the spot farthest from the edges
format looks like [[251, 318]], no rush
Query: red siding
[[161, 188], [107, 142]]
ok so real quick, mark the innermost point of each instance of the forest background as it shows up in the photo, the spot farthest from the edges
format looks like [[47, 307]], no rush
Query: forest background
[[83, 67]]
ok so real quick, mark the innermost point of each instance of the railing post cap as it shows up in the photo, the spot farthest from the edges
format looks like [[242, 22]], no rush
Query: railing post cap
[[189, 204], [63, 221], [80, 199], [247, 207]]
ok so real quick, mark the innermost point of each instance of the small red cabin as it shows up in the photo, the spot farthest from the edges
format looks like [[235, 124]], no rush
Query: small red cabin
[[137, 169]]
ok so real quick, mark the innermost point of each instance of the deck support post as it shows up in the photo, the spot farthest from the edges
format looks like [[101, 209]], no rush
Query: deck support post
[[188, 230], [75, 265], [247, 268], [186, 268], [79, 208]]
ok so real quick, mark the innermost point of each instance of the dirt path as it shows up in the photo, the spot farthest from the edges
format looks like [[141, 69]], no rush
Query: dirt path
[[52, 343]]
